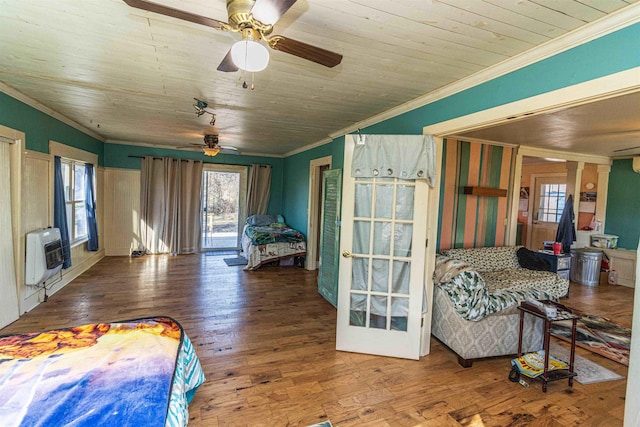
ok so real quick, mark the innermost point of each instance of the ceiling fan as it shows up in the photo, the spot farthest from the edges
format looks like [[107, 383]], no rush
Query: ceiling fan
[[254, 20], [210, 146]]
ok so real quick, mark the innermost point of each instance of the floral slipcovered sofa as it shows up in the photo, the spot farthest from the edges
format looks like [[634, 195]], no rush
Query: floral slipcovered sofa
[[475, 297]]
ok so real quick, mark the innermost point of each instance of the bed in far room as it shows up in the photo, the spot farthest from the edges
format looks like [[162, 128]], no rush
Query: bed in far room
[[141, 372], [267, 238]]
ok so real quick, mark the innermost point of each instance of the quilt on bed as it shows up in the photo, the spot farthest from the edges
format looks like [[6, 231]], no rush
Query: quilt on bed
[[274, 233], [258, 255], [129, 373]]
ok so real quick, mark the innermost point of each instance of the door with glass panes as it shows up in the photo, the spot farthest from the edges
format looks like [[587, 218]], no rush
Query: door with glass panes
[[381, 277]]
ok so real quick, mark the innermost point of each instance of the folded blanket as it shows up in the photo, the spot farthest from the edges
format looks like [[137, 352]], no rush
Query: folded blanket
[[470, 295], [448, 268]]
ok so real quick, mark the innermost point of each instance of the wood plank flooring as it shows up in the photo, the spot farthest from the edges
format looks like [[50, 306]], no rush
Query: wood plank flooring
[[266, 341]]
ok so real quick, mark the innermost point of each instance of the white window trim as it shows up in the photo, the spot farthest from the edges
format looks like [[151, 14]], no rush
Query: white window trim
[[75, 154]]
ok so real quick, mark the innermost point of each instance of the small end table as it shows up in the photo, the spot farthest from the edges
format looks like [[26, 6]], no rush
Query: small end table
[[564, 313]]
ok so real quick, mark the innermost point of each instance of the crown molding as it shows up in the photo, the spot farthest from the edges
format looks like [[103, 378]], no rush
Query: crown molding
[[308, 147], [14, 93], [611, 23]]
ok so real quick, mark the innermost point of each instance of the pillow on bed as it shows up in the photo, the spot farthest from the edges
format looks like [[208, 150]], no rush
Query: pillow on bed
[[264, 219]]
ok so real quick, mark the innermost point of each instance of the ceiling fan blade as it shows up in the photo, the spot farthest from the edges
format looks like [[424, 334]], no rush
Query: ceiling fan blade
[[175, 13], [269, 11], [229, 150], [227, 64], [305, 51]]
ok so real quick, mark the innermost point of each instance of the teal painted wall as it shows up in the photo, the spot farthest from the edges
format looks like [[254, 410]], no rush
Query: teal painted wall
[[296, 193], [117, 156], [606, 55], [296, 180], [623, 204], [39, 128]]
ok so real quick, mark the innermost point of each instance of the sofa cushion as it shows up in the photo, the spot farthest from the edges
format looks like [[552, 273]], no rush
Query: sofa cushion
[[487, 259], [521, 279]]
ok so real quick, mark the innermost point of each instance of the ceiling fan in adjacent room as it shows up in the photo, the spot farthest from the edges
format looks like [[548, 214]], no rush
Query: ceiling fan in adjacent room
[[211, 147], [254, 20]]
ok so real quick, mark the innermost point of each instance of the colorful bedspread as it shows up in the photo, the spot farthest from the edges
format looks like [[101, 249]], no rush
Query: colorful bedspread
[[274, 233], [132, 373]]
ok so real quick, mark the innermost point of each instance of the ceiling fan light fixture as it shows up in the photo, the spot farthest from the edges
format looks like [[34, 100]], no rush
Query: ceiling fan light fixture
[[211, 151], [250, 55]]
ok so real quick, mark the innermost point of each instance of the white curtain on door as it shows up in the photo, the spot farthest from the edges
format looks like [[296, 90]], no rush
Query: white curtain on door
[[170, 205], [259, 189], [8, 290], [395, 156]]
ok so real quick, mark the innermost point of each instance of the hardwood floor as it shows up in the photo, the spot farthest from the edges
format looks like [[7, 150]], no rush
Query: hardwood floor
[[266, 341]]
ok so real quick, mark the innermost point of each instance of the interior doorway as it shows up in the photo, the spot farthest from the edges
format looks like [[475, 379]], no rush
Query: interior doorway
[[549, 193], [223, 206]]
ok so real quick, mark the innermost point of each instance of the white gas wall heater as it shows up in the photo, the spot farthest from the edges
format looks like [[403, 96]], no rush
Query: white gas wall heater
[[44, 255]]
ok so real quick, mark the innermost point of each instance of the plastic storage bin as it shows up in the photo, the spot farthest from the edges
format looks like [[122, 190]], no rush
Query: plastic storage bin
[[604, 241], [585, 266]]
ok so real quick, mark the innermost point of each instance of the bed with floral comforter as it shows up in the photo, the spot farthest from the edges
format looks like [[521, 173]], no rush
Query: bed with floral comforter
[[267, 239]]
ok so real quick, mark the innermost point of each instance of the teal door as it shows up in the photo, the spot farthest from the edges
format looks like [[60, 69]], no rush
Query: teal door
[[330, 235]]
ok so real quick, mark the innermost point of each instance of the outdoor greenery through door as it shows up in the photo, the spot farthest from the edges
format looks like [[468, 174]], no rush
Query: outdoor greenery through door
[[222, 201]]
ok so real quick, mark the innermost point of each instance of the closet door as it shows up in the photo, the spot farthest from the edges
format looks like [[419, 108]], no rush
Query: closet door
[[330, 235]]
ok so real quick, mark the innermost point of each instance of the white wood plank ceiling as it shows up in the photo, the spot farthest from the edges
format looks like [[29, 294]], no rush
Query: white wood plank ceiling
[[135, 73]]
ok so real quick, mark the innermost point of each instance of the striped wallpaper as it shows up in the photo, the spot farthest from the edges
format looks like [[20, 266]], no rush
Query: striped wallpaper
[[472, 221]]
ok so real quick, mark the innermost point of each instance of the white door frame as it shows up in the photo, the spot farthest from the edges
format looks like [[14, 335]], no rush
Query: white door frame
[[314, 221], [609, 86], [243, 171], [533, 192], [16, 150]]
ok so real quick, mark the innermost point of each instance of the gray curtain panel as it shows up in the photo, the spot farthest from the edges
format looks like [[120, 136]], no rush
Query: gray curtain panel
[[170, 205], [259, 189]]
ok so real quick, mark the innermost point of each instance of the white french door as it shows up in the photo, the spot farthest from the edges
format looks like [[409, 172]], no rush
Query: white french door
[[381, 277]]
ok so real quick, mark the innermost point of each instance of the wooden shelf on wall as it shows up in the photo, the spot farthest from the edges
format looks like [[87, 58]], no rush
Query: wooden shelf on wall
[[485, 191]]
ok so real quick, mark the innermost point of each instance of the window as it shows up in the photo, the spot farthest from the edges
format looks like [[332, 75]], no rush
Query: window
[[73, 174], [552, 197]]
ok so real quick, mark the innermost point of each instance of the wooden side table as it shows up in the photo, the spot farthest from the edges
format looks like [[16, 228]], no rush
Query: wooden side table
[[564, 313]]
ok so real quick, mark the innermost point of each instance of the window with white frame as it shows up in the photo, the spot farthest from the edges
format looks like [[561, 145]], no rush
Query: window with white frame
[[73, 175], [552, 198]]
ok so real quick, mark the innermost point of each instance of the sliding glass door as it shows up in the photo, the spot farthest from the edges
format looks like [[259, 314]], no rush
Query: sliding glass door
[[223, 203]]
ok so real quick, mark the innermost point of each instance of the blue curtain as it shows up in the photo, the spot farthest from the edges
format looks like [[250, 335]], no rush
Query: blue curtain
[[60, 211], [90, 203]]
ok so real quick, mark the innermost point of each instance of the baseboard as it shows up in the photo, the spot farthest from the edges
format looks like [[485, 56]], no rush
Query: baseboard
[[118, 251], [68, 276]]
